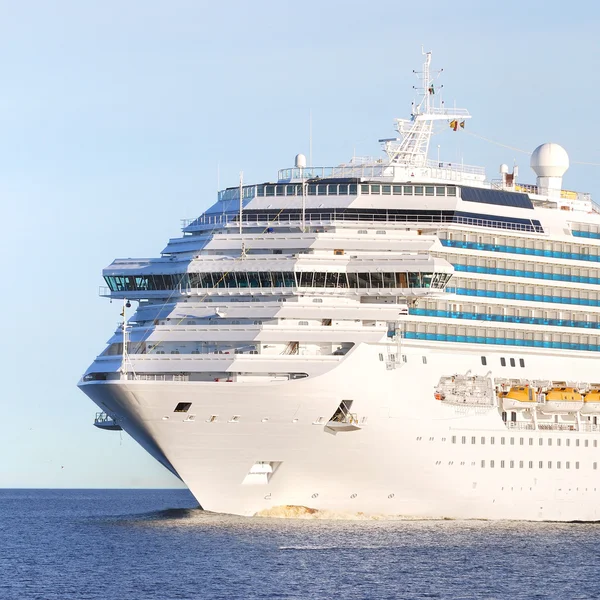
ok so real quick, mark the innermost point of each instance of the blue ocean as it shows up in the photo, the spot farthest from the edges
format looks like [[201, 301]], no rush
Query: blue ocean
[[157, 544]]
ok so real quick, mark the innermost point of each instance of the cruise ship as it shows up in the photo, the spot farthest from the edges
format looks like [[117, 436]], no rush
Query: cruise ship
[[396, 336]]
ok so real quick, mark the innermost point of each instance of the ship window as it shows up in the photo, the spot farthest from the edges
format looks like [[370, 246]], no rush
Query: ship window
[[492, 464], [577, 442], [451, 190], [512, 362], [522, 362], [381, 357], [290, 190], [492, 440], [549, 441], [440, 191], [364, 188], [312, 190], [343, 189], [549, 464], [482, 441], [408, 190], [502, 464], [568, 465], [463, 439], [595, 443], [280, 190], [502, 440], [424, 360], [418, 190], [183, 407], [531, 441], [332, 189], [397, 189], [520, 464], [353, 189], [503, 362], [541, 441], [386, 190], [558, 464], [429, 190], [270, 190], [483, 360], [521, 441], [375, 189], [512, 464], [454, 439], [541, 464], [568, 442], [577, 465], [483, 464], [531, 464], [512, 441], [558, 442], [595, 465], [404, 358], [473, 440], [585, 443]]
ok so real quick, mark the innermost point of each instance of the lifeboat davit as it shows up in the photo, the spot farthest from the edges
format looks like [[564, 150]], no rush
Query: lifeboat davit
[[591, 403], [518, 398], [562, 400]]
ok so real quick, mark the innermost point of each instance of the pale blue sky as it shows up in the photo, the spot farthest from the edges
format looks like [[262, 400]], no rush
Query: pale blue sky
[[114, 116]]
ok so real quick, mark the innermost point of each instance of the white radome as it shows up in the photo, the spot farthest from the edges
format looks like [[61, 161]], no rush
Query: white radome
[[549, 160]]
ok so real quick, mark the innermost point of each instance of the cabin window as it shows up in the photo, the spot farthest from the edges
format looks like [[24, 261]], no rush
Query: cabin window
[[502, 464], [483, 361], [503, 362], [577, 465], [522, 362], [424, 360], [473, 439], [541, 464], [512, 362], [491, 464], [183, 407], [520, 464], [483, 464], [512, 464], [531, 464]]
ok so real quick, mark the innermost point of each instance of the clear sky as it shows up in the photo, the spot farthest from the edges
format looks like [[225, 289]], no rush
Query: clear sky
[[116, 116]]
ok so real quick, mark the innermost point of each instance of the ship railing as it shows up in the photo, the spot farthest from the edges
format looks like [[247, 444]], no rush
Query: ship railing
[[331, 218]]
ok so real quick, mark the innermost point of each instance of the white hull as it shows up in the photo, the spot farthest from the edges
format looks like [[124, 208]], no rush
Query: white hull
[[401, 462]]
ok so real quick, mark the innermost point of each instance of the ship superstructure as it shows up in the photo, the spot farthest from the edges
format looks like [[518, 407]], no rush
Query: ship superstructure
[[397, 336]]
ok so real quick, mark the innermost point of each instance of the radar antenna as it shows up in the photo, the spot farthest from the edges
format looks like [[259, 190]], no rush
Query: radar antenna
[[413, 146]]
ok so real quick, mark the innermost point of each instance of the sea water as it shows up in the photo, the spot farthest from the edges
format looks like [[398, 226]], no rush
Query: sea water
[[147, 544]]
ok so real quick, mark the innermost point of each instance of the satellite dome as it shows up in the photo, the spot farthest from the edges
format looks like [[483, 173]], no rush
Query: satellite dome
[[549, 160], [300, 161]]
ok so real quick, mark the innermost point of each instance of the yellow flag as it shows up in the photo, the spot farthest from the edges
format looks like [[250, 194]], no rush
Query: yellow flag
[[454, 124]]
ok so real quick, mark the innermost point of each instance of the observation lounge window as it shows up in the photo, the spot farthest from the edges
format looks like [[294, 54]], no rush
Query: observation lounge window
[[312, 189], [408, 190], [279, 190], [429, 190], [375, 189], [418, 190], [343, 189], [290, 190], [270, 190], [440, 191], [364, 188], [397, 189], [353, 189], [322, 189], [305, 279], [386, 190], [332, 189], [319, 279]]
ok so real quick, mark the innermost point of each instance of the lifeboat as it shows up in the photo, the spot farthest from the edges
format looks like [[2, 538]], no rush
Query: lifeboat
[[591, 403], [562, 400], [519, 397]]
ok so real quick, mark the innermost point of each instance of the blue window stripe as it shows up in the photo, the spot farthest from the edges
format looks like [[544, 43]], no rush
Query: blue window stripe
[[586, 234], [470, 339], [527, 297], [530, 274], [520, 250], [422, 312]]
